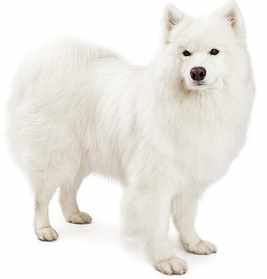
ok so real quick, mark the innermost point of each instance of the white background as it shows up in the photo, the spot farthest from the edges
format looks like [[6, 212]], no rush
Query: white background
[[232, 213]]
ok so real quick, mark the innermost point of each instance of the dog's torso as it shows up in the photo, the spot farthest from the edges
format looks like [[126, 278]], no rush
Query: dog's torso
[[85, 108]]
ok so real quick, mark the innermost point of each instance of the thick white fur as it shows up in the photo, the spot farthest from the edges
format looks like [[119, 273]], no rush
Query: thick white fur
[[78, 109]]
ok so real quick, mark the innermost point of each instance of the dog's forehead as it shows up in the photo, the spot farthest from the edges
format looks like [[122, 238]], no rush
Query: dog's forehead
[[202, 31]]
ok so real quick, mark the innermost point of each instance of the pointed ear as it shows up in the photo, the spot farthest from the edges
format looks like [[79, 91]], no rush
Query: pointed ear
[[172, 17], [233, 17]]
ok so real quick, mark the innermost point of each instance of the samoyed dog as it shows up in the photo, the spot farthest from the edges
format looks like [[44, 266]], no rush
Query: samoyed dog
[[166, 131]]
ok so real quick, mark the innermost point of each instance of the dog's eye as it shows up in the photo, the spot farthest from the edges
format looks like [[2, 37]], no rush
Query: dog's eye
[[186, 53], [214, 51]]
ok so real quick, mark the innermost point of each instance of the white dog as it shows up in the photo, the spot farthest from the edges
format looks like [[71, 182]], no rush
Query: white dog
[[166, 131]]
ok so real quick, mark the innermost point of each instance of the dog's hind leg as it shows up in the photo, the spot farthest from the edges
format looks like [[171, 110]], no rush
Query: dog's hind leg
[[43, 193], [69, 204]]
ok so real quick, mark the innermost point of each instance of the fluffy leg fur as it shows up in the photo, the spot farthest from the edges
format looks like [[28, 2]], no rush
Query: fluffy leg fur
[[43, 195], [69, 205], [184, 210], [148, 216]]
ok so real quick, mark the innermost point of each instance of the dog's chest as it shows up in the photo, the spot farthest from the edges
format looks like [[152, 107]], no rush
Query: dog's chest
[[205, 155], [207, 142]]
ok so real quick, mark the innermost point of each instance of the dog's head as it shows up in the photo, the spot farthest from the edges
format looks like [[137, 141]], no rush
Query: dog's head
[[204, 48]]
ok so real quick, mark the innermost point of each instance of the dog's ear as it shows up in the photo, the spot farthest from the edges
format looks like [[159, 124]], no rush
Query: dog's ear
[[172, 17], [233, 17]]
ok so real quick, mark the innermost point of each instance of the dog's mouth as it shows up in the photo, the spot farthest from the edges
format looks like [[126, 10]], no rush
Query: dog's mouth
[[197, 86], [199, 83]]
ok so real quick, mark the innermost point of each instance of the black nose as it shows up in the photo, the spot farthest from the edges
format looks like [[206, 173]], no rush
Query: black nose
[[198, 73]]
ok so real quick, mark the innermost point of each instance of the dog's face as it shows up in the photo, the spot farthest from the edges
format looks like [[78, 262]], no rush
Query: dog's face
[[204, 48]]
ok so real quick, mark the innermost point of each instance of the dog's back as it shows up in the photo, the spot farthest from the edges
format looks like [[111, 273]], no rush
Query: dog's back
[[54, 96]]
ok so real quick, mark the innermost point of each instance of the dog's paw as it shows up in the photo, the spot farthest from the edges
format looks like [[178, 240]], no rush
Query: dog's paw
[[80, 218], [171, 266], [201, 248], [46, 234]]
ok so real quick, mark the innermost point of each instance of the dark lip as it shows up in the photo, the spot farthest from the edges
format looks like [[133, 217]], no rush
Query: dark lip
[[199, 83]]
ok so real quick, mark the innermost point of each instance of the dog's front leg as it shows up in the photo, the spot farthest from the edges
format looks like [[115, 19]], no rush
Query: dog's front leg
[[184, 208], [147, 213]]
